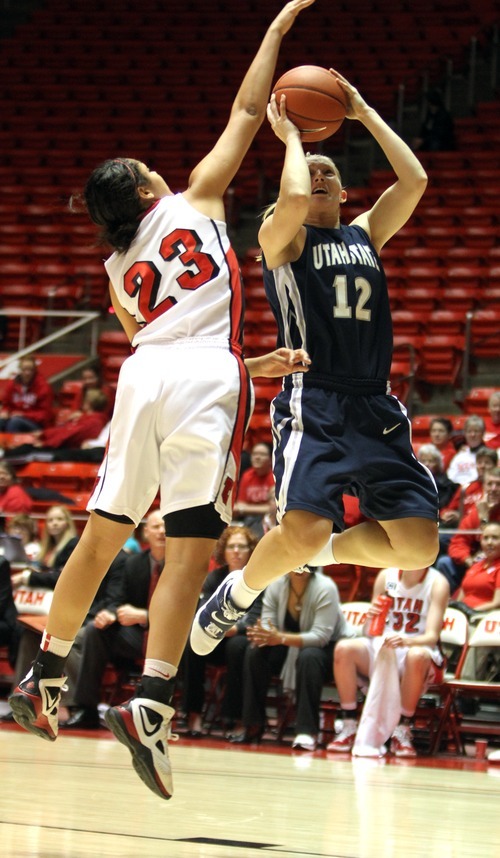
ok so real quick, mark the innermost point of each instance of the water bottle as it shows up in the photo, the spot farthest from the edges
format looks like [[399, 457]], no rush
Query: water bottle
[[377, 624]]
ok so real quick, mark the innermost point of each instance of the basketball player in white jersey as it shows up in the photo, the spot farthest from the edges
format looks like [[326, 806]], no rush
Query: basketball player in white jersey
[[413, 625], [182, 405]]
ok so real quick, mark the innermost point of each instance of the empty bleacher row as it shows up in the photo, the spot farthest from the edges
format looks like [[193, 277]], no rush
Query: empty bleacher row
[[77, 94]]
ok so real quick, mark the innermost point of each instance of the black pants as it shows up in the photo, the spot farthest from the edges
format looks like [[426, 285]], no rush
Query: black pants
[[314, 669], [117, 644], [231, 652]]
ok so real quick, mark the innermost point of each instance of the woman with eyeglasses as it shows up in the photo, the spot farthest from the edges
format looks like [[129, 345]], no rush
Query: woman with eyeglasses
[[232, 550]]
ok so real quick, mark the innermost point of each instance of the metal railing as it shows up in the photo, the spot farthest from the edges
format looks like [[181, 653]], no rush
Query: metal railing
[[82, 319]]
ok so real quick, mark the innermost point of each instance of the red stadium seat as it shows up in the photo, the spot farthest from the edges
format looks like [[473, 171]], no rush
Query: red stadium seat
[[422, 300], [447, 322], [420, 428], [67, 477], [407, 324], [476, 401], [460, 298], [486, 333], [441, 359]]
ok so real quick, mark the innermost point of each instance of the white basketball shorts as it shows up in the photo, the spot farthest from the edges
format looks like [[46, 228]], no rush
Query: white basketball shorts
[[178, 425]]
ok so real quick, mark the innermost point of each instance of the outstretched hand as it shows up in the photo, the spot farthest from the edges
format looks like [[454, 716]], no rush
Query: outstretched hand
[[286, 17], [278, 363], [356, 104]]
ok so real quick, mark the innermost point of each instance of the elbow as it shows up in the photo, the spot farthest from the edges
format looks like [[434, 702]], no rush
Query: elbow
[[250, 111], [421, 180]]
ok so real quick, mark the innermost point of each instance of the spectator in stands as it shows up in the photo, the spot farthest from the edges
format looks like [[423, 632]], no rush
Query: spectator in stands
[[70, 434], [464, 544], [478, 594], [492, 421], [437, 132], [13, 498], [412, 630], [118, 631], [270, 519], [466, 496], [58, 539], [9, 630], [91, 379], [26, 528], [252, 500], [294, 639], [109, 592], [233, 548], [441, 434], [91, 450], [462, 468], [432, 458], [27, 400], [480, 587]]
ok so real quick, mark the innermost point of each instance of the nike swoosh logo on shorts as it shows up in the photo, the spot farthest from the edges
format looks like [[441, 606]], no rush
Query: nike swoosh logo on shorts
[[386, 431]]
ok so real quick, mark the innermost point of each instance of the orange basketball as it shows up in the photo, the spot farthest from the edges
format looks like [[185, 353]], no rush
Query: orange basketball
[[315, 102]]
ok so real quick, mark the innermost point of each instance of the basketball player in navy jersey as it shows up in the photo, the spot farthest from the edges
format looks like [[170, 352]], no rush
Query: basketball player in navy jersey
[[337, 428], [182, 404]]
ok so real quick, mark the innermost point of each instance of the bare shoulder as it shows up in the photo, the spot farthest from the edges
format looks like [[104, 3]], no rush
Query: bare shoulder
[[441, 586]]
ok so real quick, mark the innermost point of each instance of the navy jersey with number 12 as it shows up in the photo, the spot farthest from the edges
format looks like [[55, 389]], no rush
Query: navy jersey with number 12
[[333, 301]]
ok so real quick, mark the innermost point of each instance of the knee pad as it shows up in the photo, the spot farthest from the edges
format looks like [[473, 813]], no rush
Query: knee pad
[[202, 522]]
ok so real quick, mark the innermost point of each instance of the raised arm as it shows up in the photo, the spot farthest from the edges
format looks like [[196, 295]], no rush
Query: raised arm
[[397, 203], [282, 229], [213, 174]]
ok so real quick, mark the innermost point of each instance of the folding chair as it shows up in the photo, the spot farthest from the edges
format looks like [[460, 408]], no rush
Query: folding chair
[[355, 614], [484, 640], [453, 640]]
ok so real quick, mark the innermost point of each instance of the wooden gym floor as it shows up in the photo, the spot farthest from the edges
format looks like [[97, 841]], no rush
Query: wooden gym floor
[[80, 797]]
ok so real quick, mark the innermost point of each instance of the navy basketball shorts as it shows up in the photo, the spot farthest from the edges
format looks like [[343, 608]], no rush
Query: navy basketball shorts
[[327, 444]]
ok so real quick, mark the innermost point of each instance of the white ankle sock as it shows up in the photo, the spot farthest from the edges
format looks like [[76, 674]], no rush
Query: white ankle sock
[[55, 645], [160, 669], [325, 557], [241, 594]]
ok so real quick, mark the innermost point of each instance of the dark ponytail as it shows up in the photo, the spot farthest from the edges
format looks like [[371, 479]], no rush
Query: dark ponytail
[[113, 203]]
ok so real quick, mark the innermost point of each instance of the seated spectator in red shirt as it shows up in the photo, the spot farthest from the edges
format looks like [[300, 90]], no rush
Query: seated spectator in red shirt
[[441, 433], [252, 500], [464, 545], [466, 496], [13, 498], [492, 421], [91, 379], [480, 589], [70, 434], [27, 401]]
